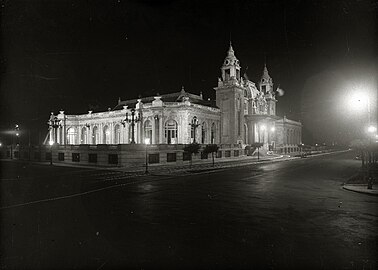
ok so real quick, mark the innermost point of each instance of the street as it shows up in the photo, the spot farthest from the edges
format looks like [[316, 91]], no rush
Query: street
[[281, 215]]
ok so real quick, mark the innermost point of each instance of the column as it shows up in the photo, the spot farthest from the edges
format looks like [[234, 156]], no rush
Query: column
[[153, 130], [161, 129]]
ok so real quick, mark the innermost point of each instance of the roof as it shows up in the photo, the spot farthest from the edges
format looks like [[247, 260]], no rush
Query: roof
[[172, 97]]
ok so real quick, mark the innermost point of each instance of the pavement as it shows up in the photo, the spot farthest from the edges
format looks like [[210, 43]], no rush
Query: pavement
[[361, 188]]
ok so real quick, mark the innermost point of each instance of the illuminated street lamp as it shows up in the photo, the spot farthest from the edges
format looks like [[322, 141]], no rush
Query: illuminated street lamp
[[372, 129], [146, 142], [194, 124], [134, 118], [51, 143]]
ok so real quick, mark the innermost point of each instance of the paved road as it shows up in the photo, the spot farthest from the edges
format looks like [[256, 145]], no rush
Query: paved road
[[283, 215]]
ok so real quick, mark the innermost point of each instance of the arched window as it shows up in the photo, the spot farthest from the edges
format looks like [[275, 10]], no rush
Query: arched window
[[117, 134], [95, 135], [245, 106], [71, 135], [106, 135], [193, 129], [171, 132], [204, 133], [212, 133], [84, 139], [148, 132]]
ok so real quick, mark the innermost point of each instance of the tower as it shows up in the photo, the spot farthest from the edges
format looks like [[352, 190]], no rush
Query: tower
[[229, 98], [266, 88], [266, 82]]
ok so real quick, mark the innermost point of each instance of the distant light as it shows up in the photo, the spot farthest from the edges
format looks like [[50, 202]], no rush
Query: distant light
[[262, 127], [273, 129], [107, 132], [1, 144], [316, 144], [147, 140], [51, 142], [372, 129], [17, 134]]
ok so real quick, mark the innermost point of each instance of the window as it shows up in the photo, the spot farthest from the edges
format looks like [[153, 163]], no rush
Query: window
[[171, 157], [148, 131], [117, 134], [75, 157], [236, 153], [61, 156], [16, 154], [171, 132], [245, 106], [47, 155], [203, 133], [113, 159], [83, 139], [106, 135], [92, 158], [71, 136], [153, 158], [227, 153], [263, 88], [219, 154], [212, 135], [95, 137]]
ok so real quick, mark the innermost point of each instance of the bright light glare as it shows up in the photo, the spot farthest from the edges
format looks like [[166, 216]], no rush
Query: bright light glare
[[17, 134], [372, 129], [147, 140], [358, 101], [1, 144], [273, 129], [262, 127], [51, 142]]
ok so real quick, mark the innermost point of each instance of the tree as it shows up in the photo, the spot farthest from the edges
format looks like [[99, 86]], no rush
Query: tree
[[211, 148], [257, 145], [192, 148]]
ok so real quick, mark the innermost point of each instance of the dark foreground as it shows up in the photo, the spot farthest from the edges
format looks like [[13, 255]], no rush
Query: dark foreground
[[283, 215]]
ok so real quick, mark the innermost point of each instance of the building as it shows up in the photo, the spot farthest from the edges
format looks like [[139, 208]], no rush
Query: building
[[244, 113]]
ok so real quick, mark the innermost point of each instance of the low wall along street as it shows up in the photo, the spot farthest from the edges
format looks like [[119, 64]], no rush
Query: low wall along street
[[120, 155]]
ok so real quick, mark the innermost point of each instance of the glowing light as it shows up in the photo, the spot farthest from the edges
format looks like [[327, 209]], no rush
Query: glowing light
[[358, 101], [17, 134], [147, 140], [262, 127], [1, 144], [372, 129], [107, 132], [272, 129], [51, 142]]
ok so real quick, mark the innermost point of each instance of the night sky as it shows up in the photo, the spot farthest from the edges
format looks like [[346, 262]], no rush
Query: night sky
[[80, 55]]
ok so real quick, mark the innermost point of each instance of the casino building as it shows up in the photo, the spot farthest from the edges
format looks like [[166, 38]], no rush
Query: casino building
[[243, 113]]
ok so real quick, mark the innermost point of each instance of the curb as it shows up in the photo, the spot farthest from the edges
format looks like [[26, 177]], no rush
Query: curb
[[356, 188]]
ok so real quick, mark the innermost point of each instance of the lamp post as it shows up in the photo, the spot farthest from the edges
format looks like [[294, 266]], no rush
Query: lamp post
[[132, 120], [146, 142], [54, 123], [51, 143], [194, 124]]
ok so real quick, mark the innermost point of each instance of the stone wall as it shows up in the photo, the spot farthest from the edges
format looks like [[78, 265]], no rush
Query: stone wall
[[121, 155]]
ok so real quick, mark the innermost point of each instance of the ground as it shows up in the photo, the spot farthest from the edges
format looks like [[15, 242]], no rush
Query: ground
[[281, 215]]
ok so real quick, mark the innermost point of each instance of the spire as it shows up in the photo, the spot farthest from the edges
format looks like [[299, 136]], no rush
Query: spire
[[265, 74]]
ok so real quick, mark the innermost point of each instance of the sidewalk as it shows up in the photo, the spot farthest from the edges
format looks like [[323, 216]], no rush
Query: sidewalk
[[362, 188]]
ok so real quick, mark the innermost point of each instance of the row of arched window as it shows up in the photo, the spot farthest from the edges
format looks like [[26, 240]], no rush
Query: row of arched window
[[108, 135]]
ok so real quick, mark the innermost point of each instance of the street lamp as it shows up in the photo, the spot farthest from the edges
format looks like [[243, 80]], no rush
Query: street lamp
[[146, 142], [51, 143], [132, 120], [54, 123], [194, 124]]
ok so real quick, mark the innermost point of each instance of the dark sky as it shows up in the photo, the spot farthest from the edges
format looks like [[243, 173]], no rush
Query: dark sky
[[76, 55]]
